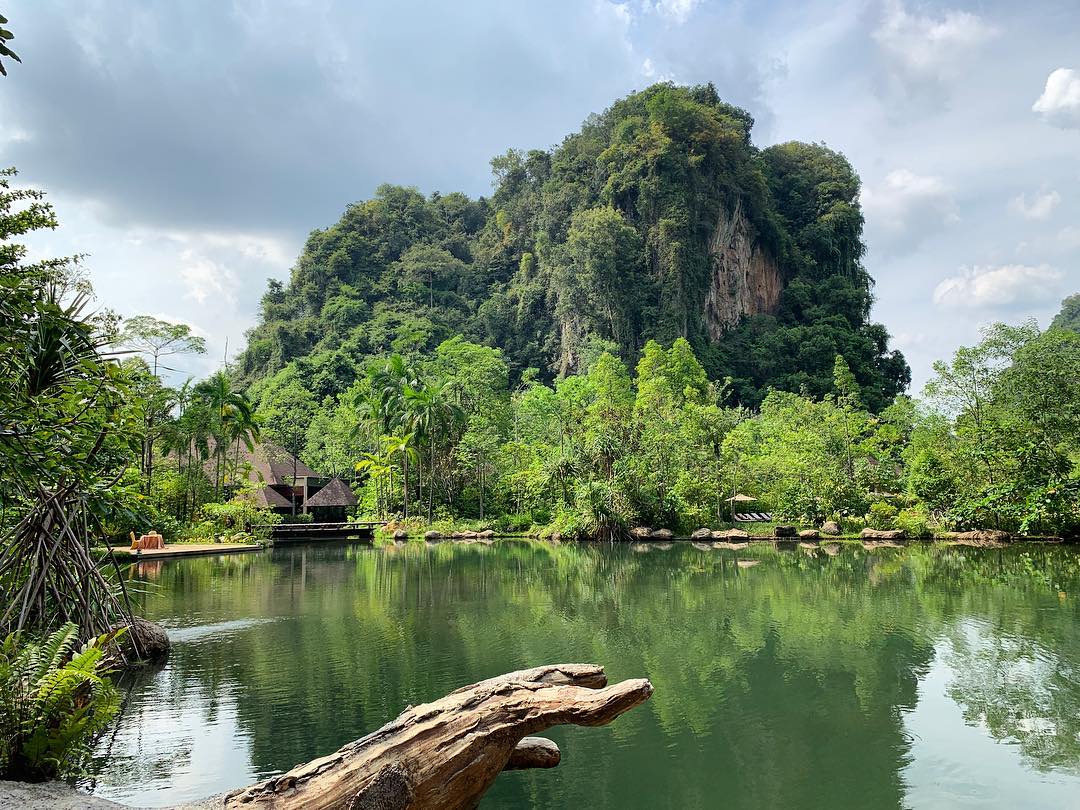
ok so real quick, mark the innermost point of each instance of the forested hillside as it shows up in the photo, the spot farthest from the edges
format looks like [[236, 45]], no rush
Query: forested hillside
[[658, 220]]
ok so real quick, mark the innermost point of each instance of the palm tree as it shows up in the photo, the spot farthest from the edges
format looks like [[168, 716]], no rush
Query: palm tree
[[242, 425], [404, 446], [431, 411], [228, 407]]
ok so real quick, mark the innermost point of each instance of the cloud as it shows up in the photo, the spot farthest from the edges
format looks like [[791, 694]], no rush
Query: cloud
[[188, 116], [999, 287], [677, 10], [1040, 207], [906, 209], [921, 53], [1059, 104]]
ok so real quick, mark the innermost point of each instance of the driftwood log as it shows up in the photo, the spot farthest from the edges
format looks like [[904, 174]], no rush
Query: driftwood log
[[447, 753]]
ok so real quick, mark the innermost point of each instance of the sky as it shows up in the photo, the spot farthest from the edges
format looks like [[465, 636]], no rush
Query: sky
[[189, 148]]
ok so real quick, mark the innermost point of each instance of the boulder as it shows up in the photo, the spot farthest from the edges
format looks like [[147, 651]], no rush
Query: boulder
[[640, 532], [144, 643], [881, 534], [662, 534], [785, 531], [701, 534], [830, 527], [401, 534], [980, 537], [809, 534], [730, 534], [432, 535], [486, 534]]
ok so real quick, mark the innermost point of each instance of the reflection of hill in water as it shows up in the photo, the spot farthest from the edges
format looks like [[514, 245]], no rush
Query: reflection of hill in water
[[781, 684]]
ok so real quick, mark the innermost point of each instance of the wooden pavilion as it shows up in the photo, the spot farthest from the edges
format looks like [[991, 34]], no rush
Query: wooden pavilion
[[331, 502]]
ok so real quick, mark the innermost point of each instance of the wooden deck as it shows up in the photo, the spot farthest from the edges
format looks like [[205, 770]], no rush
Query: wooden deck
[[309, 532], [183, 550]]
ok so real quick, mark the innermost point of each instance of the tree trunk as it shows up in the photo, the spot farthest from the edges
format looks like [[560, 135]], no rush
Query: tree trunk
[[446, 754], [431, 483]]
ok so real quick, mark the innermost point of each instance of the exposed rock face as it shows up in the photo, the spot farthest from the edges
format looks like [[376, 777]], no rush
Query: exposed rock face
[[830, 527], [745, 279], [881, 534]]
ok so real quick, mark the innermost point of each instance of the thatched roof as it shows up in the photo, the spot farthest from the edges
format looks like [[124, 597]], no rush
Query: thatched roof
[[335, 493], [271, 498], [273, 464], [740, 498], [266, 463]]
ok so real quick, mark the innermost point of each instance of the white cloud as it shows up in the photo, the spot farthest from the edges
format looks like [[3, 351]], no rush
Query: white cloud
[[206, 279], [1040, 206], [1059, 104], [906, 208], [922, 51], [1003, 286], [677, 10], [648, 70]]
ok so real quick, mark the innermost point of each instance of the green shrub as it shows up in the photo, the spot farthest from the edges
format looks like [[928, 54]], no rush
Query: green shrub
[[514, 523], [914, 522], [53, 699], [882, 515], [851, 525], [238, 516]]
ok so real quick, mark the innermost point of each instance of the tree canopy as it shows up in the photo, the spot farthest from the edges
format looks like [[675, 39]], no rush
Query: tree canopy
[[658, 220]]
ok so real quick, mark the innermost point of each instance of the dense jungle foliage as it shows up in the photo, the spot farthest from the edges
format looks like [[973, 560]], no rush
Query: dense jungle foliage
[[995, 443], [603, 243]]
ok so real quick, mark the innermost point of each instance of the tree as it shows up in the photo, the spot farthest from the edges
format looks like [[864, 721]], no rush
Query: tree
[[5, 51], [286, 413], [1069, 316], [157, 339], [232, 420], [63, 442]]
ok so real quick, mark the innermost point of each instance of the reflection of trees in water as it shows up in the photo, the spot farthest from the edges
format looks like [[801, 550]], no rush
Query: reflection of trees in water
[[771, 681], [1019, 691]]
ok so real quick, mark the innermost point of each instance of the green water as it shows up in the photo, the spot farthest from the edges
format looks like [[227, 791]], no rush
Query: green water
[[921, 677]]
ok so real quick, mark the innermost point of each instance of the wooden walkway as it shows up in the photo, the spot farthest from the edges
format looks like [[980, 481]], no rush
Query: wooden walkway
[[309, 532], [183, 550]]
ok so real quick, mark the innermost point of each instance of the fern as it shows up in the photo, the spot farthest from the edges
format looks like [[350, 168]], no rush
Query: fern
[[54, 699]]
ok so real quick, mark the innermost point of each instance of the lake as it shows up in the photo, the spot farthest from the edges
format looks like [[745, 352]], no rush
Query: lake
[[924, 677]]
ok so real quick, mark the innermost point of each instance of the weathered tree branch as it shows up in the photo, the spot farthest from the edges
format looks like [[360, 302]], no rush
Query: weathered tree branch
[[447, 753]]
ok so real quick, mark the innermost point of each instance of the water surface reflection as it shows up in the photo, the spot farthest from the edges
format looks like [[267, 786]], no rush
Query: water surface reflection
[[920, 677]]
